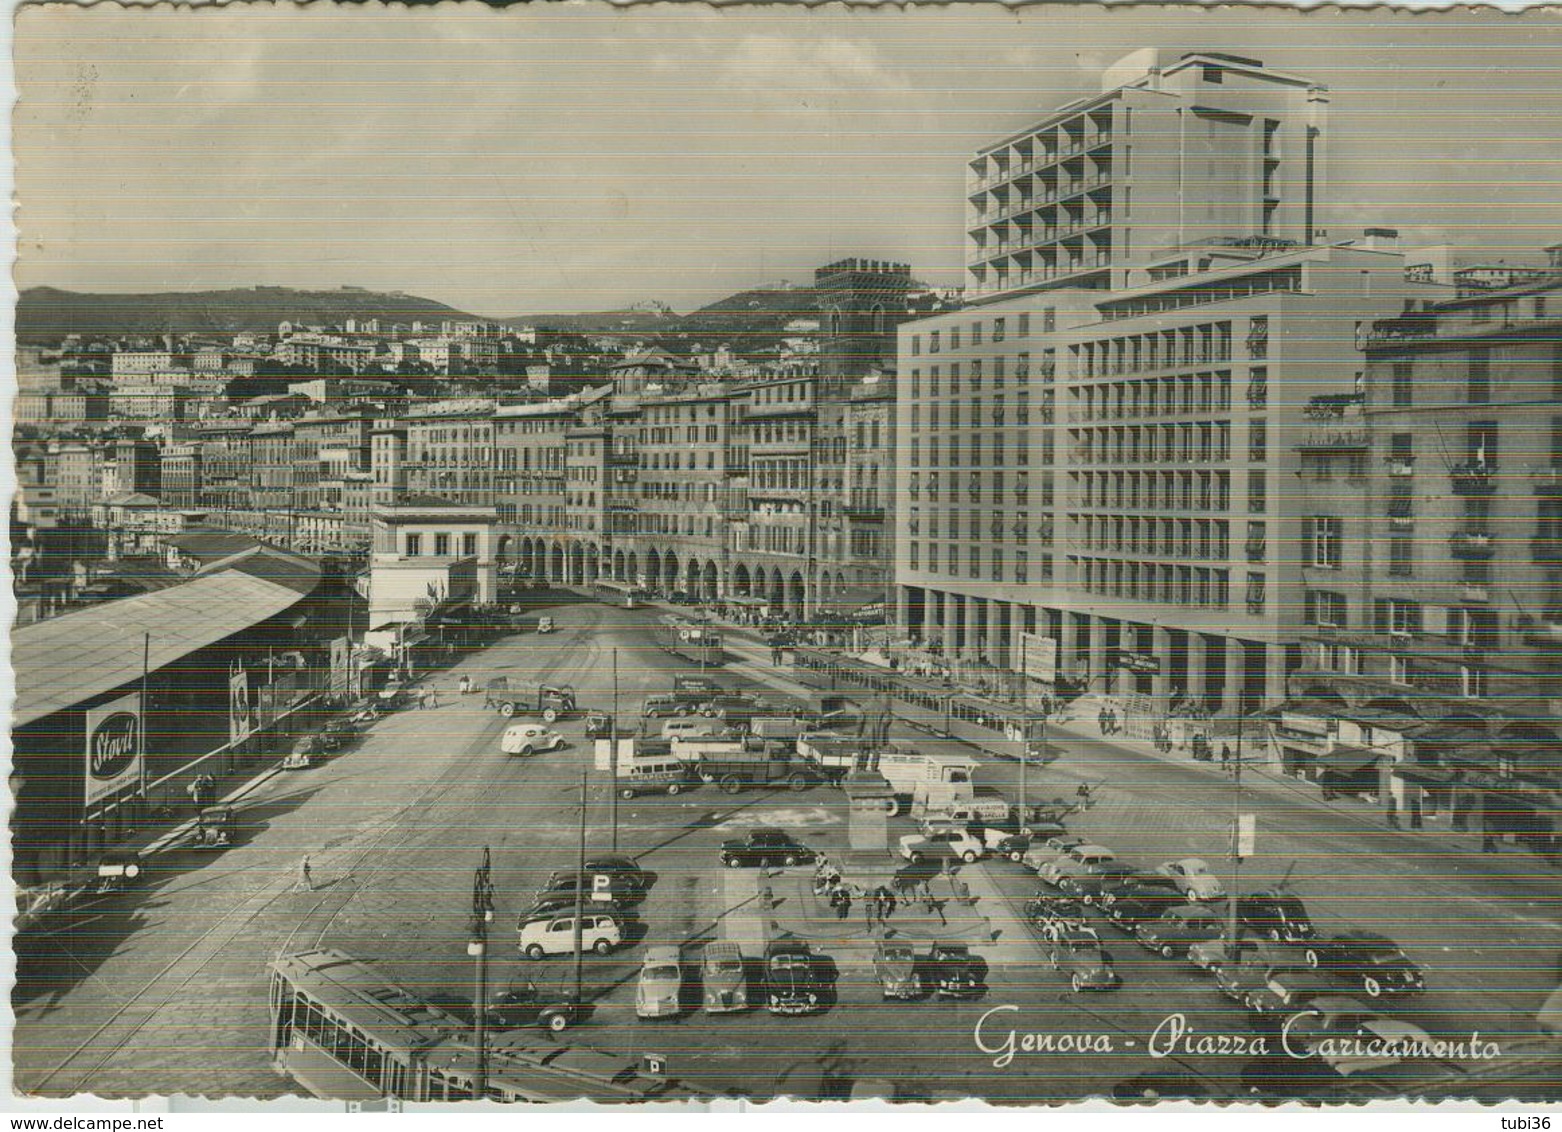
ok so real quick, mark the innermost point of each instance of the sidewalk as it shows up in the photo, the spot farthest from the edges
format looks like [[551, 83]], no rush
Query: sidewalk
[[1078, 720]]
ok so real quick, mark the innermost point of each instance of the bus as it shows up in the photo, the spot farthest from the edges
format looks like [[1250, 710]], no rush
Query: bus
[[342, 1032], [622, 594], [989, 725]]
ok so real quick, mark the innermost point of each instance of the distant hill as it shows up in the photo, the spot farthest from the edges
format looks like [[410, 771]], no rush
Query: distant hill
[[46, 314], [749, 321]]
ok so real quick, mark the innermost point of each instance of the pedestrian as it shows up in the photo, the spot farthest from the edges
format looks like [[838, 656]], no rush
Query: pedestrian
[[1225, 756], [194, 790], [1101, 720], [935, 905], [433, 695], [306, 880], [845, 907], [887, 903]]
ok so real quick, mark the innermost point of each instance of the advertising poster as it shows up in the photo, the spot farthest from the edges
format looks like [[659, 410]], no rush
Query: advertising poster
[[113, 748], [241, 712]]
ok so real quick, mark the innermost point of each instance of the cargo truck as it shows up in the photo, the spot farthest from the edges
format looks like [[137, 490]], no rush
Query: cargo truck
[[733, 763]]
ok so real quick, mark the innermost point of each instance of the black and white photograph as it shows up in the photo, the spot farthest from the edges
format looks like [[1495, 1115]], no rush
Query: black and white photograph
[[679, 556]]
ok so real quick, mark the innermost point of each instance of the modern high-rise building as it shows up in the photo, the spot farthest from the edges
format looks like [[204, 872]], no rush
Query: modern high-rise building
[[1170, 153], [1107, 457]]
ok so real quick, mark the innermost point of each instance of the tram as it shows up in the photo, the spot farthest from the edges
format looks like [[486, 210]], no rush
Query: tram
[[989, 725], [694, 643], [343, 1032]]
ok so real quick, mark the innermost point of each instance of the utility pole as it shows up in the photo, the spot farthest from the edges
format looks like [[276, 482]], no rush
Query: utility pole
[[482, 915], [146, 714], [1234, 895], [1024, 731], [580, 894], [612, 791]]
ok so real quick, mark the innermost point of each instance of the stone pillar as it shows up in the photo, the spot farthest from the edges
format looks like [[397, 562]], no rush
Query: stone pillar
[[1274, 675], [1100, 678], [1160, 683], [952, 626], [1198, 667], [1236, 670], [1068, 643]]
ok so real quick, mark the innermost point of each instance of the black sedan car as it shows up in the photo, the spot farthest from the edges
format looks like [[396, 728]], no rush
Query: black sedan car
[[1090, 887], [1127, 908], [1373, 962], [953, 972], [794, 983], [1277, 916], [764, 848]]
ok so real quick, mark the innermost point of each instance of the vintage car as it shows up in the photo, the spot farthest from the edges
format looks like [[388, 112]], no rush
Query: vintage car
[[765, 847], [793, 983], [1177, 929], [1051, 914], [724, 978], [1373, 962], [954, 972], [1075, 862], [944, 845], [1212, 955], [1278, 915], [1194, 878], [524, 1005], [895, 968], [1352, 1038], [1078, 953], [1133, 904], [1091, 886], [528, 739], [555, 935], [213, 828], [659, 992]]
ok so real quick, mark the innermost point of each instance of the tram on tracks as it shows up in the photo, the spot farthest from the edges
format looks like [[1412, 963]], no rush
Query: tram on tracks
[[989, 725], [343, 1032], [695, 643]]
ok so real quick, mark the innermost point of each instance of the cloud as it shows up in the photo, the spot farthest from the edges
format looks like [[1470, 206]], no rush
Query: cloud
[[788, 73]]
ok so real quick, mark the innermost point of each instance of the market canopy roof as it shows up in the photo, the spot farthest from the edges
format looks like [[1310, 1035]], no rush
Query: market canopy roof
[[1346, 759], [65, 660]]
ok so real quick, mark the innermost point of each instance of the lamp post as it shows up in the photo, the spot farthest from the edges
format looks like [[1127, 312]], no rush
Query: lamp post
[[477, 947]]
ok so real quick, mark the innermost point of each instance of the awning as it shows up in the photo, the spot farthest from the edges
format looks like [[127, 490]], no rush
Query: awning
[[1424, 774], [1347, 759]]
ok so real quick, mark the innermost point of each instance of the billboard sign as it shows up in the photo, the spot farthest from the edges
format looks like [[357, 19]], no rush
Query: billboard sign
[[113, 748], [1039, 657], [241, 712]]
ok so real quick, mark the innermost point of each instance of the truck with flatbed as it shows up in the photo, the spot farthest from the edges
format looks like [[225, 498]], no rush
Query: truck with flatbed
[[920, 779], [736, 762]]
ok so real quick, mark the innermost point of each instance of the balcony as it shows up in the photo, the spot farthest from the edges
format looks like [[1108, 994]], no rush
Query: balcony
[[1473, 478], [1471, 545], [1256, 549], [864, 509]]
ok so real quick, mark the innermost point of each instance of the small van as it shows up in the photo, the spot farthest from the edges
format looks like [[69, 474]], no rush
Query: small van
[[691, 728], [648, 776], [556, 936]]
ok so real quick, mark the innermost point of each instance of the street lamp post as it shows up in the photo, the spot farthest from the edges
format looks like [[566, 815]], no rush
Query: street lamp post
[[477, 947], [580, 895]]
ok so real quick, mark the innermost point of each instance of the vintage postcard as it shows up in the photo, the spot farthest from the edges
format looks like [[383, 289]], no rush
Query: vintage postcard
[[664, 554]]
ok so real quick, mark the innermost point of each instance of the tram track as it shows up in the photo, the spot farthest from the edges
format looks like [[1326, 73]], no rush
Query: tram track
[[132, 1015]]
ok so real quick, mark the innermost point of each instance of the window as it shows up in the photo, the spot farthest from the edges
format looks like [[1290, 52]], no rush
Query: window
[[1399, 670], [1049, 320], [954, 337], [1324, 540], [998, 325], [1402, 390], [1324, 609], [976, 334], [1257, 442], [916, 345], [1472, 682], [1396, 617], [1023, 330], [441, 546], [468, 544], [932, 342], [414, 545], [1400, 551]]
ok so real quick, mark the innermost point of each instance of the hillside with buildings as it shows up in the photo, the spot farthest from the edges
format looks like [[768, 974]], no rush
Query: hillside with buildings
[[47, 314]]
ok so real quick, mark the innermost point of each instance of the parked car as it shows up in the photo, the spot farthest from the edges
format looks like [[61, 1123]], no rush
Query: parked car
[[954, 972], [556, 935], [659, 993], [1287, 989], [624, 868], [793, 984], [765, 847], [1075, 861], [528, 739], [1194, 878], [1051, 914], [1212, 954], [1177, 929], [1373, 962], [1097, 880], [1043, 852], [1078, 953], [599, 725], [1132, 906], [1352, 1038], [1237, 981], [895, 968], [1278, 915], [544, 624], [597, 888], [724, 978], [524, 1005], [947, 844]]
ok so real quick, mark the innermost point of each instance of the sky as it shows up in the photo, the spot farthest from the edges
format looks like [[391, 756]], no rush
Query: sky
[[580, 157]]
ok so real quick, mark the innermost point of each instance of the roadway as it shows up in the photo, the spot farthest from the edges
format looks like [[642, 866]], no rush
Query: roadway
[[167, 994]]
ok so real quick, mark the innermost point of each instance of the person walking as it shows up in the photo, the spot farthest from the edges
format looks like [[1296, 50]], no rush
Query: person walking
[[306, 880], [887, 903], [936, 905], [845, 908], [1225, 757]]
